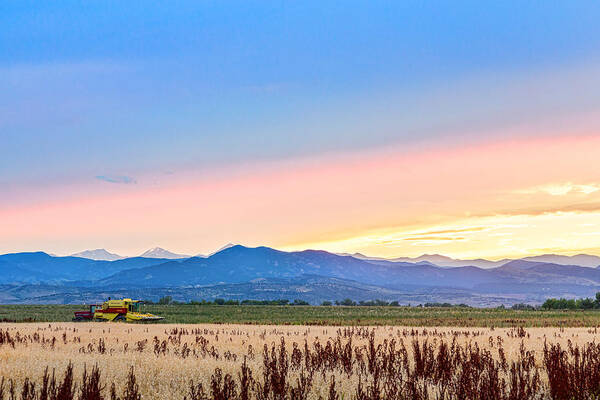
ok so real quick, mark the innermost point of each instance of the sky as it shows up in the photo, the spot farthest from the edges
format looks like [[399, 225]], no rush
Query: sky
[[469, 129]]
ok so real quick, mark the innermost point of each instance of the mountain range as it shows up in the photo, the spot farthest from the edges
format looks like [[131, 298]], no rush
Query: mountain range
[[259, 273], [583, 260]]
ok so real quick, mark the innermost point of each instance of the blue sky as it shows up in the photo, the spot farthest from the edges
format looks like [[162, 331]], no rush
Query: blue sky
[[106, 95], [102, 87]]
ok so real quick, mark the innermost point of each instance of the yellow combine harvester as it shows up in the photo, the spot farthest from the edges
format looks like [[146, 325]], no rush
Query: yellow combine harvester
[[116, 310]]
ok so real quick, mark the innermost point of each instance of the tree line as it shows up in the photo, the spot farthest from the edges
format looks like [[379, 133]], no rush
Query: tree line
[[549, 304], [572, 304]]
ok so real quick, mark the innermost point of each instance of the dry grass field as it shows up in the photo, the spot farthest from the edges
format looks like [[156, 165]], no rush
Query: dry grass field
[[363, 362]]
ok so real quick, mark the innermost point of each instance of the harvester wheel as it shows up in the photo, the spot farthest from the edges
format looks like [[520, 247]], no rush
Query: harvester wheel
[[120, 318]]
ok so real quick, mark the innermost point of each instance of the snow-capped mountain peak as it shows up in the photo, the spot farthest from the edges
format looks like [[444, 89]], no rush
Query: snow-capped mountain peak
[[159, 252], [98, 254]]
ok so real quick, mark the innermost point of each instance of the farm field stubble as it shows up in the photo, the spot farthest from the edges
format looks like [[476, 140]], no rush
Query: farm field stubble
[[331, 316], [302, 362]]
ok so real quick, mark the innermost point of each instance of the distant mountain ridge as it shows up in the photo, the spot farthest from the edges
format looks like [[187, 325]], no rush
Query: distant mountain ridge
[[239, 264], [241, 268], [583, 260], [435, 259]]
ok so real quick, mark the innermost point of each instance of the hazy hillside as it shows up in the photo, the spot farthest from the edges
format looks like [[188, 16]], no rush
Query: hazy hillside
[[583, 260], [311, 288], [41, 267]]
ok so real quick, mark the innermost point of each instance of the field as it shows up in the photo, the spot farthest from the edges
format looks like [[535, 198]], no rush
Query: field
[[297, 362], [331, 316], [299, 352]]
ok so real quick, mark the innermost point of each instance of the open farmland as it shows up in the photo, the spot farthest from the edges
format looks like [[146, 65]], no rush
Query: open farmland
[[300, 362], [333, 316]]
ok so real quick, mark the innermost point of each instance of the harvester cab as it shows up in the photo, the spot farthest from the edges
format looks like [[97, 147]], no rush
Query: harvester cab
[[119, 310], [87, 315]]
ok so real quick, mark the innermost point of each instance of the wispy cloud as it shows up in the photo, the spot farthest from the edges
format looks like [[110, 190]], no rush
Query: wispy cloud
[[438, 235], [434, 238], [450, 231], [581, 208], [562, 189], [123, 179]]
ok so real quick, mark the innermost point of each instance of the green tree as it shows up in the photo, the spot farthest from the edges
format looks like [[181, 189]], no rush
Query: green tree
[[347, 302], [586, 304]]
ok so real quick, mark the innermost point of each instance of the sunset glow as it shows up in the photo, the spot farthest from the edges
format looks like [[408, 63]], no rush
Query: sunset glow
[[481, 146], [493, 200]]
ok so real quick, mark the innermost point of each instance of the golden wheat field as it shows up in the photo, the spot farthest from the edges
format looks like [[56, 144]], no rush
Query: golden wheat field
[[304, 361]]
